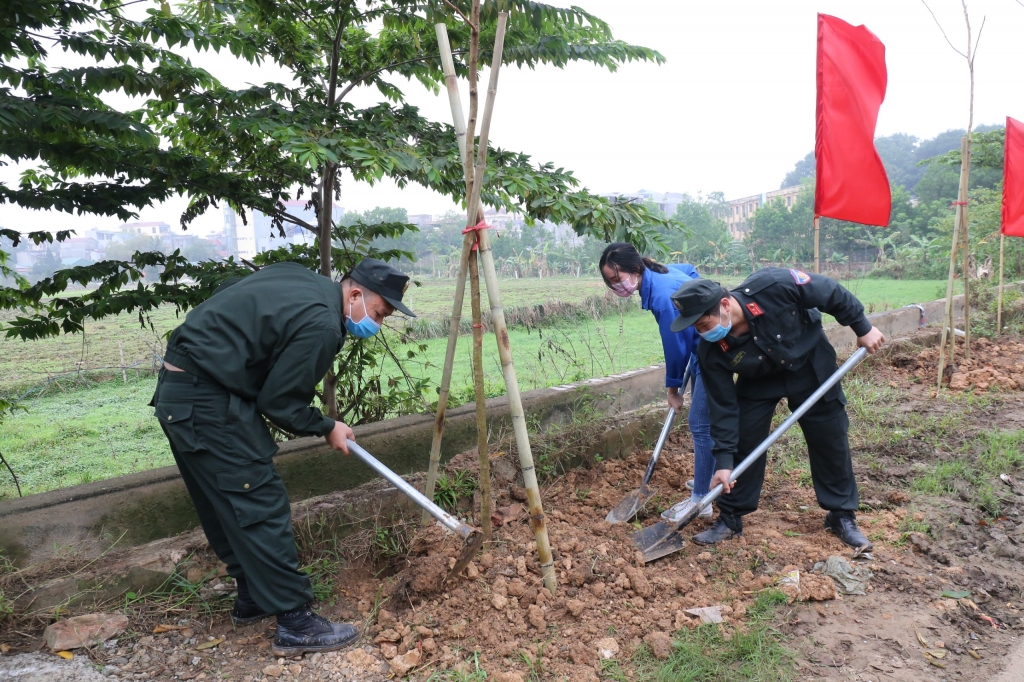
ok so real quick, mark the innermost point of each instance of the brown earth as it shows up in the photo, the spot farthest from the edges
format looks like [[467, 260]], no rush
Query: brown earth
[[497, 617]]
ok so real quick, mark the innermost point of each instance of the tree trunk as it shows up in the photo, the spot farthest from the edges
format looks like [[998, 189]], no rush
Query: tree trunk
[[325, 228]]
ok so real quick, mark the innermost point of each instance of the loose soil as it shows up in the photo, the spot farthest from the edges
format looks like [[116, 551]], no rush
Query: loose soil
[[947, 576]]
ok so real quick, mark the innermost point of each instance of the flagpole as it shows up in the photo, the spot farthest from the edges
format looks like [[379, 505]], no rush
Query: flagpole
[[999, 305], [817, 243]]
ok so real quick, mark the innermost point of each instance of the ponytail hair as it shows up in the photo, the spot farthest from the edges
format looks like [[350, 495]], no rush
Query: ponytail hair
[[623, 257]]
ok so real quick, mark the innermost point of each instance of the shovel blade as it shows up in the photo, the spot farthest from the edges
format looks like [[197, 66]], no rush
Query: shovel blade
[[631, 505], [658, 540], [473, 544]]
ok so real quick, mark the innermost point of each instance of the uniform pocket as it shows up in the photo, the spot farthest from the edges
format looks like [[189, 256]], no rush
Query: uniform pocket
[[176, 419], [255, 491]]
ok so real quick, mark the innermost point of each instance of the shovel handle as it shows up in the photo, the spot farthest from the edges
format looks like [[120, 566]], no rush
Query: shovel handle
[[854, 360], [416, 496], [669, 418]]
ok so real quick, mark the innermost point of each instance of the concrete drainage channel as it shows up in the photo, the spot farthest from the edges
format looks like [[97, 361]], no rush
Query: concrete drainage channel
[[144, 526]]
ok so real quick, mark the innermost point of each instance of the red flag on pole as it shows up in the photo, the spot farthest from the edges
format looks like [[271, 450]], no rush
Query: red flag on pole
[[851, 182], [1013, 179]]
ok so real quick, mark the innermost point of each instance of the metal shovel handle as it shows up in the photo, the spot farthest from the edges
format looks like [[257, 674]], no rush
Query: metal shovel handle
[[852, 362], [416, 496], [665, 430]]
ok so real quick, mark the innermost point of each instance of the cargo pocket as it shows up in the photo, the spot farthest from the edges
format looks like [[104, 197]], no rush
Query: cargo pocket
[[176, 419], [255, 491]]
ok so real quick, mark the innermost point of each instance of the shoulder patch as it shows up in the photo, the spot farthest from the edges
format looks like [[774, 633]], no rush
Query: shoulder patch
[[800, 277], [755, 309], [723, 345]]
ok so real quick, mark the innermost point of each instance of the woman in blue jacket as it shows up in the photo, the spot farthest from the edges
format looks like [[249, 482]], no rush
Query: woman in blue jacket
[[625, 271]]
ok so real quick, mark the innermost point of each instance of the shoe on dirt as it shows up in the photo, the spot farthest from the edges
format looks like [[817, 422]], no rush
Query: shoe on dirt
[[689, 484], [246, 611], [677, 511], [844, 526], [303, 631], [719, 531]]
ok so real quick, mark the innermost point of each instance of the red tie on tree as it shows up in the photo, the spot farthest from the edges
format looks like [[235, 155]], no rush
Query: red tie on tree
[[851, 183], [1013, 179]]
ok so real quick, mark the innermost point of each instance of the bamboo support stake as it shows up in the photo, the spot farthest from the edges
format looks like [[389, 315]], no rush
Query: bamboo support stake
[[124, 373], [481, 399], [965, 233], [817, 243], [537, 520], [999, 304], [947, 317], [451, 83]]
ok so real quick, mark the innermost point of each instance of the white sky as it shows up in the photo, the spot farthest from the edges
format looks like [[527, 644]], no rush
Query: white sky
[[732, 109]]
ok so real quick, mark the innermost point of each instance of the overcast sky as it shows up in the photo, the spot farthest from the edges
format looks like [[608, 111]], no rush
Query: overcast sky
[[731, 110]]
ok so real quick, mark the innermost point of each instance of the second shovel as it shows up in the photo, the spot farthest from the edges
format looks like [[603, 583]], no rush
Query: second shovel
[[635, 501]]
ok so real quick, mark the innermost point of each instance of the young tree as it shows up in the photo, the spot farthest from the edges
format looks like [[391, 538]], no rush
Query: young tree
[[258, 146]]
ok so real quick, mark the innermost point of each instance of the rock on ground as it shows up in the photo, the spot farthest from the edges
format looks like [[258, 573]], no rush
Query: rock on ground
[[87, 630], [47, 668]]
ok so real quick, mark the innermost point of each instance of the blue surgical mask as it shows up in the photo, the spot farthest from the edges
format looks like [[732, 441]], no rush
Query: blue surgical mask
[[364, 328], [718, 332]]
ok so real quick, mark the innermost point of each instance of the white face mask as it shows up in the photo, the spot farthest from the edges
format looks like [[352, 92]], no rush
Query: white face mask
[[626, 287]]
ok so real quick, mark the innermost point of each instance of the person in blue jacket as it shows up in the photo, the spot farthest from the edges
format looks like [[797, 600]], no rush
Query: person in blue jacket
[[625, 271]]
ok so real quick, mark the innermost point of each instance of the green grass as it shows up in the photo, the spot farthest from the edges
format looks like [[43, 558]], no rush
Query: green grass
[[989, 454], [718, 653]]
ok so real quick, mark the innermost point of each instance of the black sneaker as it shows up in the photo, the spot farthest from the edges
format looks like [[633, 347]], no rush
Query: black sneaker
[[246, 610], [844, 526], [302, 631], [721, 530]]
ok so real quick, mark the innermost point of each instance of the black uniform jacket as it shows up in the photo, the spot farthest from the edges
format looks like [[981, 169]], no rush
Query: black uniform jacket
[[782, 310], [270, 338]]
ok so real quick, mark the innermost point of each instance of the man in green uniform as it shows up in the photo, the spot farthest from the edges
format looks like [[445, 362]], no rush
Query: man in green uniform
[[768, 331], [258, 348]]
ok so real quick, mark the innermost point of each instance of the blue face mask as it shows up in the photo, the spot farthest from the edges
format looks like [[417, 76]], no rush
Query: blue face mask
[[718, 332], [364, 328]]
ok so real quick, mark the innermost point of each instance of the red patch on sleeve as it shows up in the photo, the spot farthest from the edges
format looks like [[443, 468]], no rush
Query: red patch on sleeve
[[723, 345], [755, 309]]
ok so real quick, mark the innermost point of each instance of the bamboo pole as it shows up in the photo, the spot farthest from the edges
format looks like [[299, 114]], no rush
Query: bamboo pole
[[947, 317], [999, 304], [537, 520], [965, 167], [451, 83], [817, 245], [481, 399]]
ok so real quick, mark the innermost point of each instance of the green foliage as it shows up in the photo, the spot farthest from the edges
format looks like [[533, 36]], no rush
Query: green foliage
[[977, 473], [451, 489], [754, 653]]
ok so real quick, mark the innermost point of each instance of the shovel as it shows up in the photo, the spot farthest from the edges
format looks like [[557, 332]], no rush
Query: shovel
[[663, 538], [635, 501], [474, 538]]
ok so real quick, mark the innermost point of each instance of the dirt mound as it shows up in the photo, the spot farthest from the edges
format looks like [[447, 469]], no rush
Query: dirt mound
[[996, 364]]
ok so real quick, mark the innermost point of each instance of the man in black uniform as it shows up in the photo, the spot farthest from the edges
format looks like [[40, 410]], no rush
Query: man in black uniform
[[258, 348], [768, 331]]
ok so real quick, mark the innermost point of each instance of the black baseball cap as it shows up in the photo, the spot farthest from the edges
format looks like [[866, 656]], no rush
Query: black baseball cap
[[694, 299], [384, 280]]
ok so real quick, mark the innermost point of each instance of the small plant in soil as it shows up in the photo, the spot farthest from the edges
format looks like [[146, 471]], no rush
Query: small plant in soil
[[450, 489]]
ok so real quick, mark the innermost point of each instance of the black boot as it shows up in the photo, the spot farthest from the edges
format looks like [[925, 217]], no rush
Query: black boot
[[844, 525], [725, 527], [246, 610], [303, 631]]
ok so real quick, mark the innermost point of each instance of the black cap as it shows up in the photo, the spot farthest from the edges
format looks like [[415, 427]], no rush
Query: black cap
[[694, 299], [384, 280]]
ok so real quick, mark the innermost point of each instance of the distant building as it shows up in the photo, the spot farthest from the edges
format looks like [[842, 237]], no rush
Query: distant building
[[78, 248], [740, 210], [667, 202], [151, 229], [260, 234]]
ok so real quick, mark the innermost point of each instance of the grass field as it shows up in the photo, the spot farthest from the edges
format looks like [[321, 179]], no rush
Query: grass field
[[77, 431]]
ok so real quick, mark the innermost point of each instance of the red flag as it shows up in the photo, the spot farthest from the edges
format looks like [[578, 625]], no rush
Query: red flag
[[851, 182], [1013, 179]]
